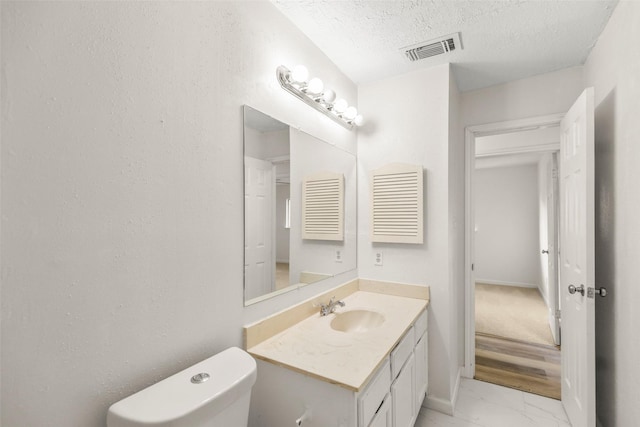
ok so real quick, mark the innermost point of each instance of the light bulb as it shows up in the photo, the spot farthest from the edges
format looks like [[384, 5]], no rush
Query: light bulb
[[315, 86], [329, 96], [359, 120], [340, 106], [300, 74], [350, 113]]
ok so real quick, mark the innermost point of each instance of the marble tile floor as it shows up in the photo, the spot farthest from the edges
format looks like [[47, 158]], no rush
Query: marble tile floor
[[482, 404]]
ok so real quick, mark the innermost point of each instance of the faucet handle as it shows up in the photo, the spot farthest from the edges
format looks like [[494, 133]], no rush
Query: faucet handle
[[327, 308]]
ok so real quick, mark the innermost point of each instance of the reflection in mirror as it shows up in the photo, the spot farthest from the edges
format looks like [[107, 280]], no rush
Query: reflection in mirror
[[276, 162]]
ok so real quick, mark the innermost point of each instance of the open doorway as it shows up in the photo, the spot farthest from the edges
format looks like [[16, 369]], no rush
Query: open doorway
[[514, 287]]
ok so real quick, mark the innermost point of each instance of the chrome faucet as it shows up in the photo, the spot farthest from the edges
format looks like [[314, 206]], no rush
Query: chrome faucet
[[331, 307]]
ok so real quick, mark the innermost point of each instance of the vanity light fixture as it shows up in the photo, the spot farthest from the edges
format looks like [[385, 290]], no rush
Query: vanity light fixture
[[313, 93]]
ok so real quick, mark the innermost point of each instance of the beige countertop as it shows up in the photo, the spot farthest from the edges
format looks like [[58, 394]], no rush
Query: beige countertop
[[348, 359]]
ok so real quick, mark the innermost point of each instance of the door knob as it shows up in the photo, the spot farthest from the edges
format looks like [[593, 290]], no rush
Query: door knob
[[579, 289], [544, 251], [600, 291]]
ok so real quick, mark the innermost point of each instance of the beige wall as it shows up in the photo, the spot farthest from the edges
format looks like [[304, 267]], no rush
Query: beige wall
[[122, 173], [614, 71]]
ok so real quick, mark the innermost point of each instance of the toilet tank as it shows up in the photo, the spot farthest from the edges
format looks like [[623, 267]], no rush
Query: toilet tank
[[212, 393]]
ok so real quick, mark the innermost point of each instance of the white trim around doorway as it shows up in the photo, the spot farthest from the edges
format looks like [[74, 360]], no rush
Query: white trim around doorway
[[471, 132]]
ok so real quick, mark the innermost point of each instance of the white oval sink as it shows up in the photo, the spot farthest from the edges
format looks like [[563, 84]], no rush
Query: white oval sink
[[357, 321]]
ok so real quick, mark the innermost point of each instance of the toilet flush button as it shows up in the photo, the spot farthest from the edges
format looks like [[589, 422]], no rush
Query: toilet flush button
[[200, 378]]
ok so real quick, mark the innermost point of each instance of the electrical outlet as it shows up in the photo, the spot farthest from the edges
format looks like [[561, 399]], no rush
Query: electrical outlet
[[338, 256], [378, 258]]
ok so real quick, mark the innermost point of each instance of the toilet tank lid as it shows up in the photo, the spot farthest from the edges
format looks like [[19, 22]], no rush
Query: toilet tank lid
[[231, 372]]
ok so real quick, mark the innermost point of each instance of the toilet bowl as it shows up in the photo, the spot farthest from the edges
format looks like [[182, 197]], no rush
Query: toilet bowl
[[213, 393]]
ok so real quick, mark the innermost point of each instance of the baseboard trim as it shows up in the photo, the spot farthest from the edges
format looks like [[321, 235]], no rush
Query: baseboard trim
[[500, 283], [444, 405], [456, 388], [440, 405]]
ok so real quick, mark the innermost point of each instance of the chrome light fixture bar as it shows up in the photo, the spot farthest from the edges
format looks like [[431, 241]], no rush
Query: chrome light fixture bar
[[312, 93]]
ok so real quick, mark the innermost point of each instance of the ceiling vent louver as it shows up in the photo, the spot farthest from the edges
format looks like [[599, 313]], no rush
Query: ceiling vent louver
[[434, 47]]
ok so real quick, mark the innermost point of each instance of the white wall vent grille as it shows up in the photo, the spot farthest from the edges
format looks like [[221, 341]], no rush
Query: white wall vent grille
[[323, 206], [397, 204], [434, 47]]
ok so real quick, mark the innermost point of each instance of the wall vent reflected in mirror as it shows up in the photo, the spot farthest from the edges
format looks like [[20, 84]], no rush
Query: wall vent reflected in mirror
[[396, 204], [323, 206], [278, 258]]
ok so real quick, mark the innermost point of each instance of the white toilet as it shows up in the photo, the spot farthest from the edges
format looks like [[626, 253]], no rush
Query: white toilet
[[213, 393]]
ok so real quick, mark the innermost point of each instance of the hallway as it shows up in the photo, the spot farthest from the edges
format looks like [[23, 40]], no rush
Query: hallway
[[514, 345]]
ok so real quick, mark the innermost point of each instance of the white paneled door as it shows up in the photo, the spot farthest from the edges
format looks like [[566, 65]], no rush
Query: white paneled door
[[577, 270], [552, 250], [259, 262]]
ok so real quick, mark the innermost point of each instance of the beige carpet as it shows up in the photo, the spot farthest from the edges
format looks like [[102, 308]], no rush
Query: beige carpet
[[512, 312], [282, 275]]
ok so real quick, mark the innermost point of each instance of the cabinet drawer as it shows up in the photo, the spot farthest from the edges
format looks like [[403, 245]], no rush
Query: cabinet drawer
[[370, 399], [421, 325], [401, 353]]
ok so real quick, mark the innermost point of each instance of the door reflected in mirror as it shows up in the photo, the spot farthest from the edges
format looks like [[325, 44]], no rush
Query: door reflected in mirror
[[277, 159]]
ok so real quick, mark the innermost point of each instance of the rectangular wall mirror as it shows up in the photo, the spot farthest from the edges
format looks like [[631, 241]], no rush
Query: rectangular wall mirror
[[277, 159]]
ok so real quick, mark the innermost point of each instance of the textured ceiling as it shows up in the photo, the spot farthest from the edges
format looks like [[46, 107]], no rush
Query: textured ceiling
[[503, 40]]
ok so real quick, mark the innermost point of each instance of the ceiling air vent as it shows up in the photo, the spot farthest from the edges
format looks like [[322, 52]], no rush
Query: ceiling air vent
[[434, 47]]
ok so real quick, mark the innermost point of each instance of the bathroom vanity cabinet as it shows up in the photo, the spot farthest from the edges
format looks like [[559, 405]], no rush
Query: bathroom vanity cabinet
[[391, 397], [409, 370]]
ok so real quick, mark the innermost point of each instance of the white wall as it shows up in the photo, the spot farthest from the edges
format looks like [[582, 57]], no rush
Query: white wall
[[121, 191], [456, 227], [309, 155], [506, 226], [614, 71], [540, 95], [266, 145], [282, 233], [412, 126], [521, 141]]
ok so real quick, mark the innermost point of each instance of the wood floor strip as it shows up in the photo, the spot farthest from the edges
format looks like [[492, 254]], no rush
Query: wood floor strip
[[550, 366], [547, 388], [517, 343], [512, 367], [534, 368]]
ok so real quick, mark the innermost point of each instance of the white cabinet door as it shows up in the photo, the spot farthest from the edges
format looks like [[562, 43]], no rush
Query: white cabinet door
[[370, 399], [420, 353], [383, 416], [402, 398]]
